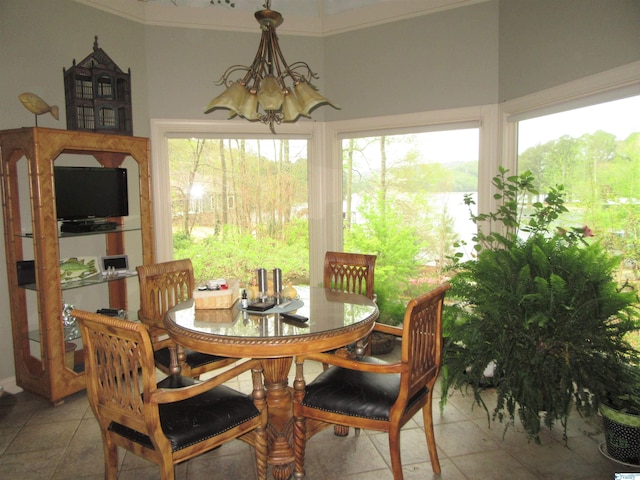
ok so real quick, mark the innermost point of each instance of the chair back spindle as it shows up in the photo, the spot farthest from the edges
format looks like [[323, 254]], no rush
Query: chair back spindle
[[422, 338], [162, 287], [118, 354], [349, 272]]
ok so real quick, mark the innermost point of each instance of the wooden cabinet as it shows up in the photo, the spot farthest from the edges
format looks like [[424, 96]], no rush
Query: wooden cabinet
[[32, 233]]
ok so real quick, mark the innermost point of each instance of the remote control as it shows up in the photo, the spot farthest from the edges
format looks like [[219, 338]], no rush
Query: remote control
[[294, 317]]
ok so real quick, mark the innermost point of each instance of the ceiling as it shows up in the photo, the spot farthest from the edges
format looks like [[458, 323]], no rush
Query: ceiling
[[301, 17]]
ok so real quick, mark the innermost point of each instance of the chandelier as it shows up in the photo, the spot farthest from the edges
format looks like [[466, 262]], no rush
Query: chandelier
[[270, 90]]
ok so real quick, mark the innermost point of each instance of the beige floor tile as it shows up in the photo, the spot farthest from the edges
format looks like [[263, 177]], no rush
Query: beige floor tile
[[38, 441], [73, 408], [423, 471], [7, 434], [43, 437], [413, 446], [218, 464], [463, 438], [33, 465], [15, 410], [494, 465], [343, 456], [553, 461]]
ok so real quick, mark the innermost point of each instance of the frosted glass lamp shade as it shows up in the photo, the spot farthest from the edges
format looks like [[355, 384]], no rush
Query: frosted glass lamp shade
[[249, 108], [309, 98], [232, 98], [270, 93], [291, 108]]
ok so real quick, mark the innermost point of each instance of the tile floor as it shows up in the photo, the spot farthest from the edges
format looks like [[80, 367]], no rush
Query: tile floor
[[40, 442]]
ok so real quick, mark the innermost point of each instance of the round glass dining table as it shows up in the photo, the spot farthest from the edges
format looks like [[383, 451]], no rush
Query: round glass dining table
[[335, 319]]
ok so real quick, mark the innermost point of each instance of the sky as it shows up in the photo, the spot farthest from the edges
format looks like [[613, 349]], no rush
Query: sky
[[621, 117]]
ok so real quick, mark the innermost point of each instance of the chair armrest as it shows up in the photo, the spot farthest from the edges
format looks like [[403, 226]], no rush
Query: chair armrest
[[351, 363], [390, 329], [163, 343], [169, 395]]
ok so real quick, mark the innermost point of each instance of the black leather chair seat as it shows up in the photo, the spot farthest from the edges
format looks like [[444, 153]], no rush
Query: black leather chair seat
[[354, 393], [192, 420], [193, 359], [349, 392]]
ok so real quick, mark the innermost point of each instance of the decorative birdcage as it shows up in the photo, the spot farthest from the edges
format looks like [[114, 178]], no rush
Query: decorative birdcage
[[98, 95]]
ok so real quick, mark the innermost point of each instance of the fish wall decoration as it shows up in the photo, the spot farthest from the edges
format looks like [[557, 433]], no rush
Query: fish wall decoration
[[37, 106]]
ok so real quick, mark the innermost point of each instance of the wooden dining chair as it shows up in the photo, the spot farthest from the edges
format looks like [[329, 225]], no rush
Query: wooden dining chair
[[169, 422], [371, 394], [349, 272], [163, 286]]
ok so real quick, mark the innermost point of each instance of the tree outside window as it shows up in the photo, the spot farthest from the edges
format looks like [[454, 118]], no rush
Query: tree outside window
[[240, 204], [594, 152], [403, 201]]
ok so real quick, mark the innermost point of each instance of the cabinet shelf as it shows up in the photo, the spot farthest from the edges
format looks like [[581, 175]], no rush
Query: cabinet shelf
[[85, 282], [120, 229], [34, 335]]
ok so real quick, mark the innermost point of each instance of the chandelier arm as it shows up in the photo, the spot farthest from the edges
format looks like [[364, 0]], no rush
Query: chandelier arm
[[277, 59], [224, 79], [258, 68], [270, 117], [271, 61], [288, 70], [307, 75]]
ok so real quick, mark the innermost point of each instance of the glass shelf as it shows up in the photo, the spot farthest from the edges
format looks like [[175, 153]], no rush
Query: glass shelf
[[34, 335], [122, 228], [85, 282]]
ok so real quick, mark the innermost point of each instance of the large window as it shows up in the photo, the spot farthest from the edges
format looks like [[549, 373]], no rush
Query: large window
[[595, 153], [239, 204], [423, 182], [403, 201]]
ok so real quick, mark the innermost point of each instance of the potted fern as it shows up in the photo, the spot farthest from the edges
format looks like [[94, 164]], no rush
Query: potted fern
[[538, 303]]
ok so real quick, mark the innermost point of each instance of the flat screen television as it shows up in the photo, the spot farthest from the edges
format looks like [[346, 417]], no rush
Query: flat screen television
[[86, 196]]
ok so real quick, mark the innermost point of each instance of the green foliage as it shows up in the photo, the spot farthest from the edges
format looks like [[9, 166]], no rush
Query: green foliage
[[599, 174], [238, 255], [383, 233], [544, 309]]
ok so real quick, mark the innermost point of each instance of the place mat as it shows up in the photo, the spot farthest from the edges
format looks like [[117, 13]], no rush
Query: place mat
[[295, 304]]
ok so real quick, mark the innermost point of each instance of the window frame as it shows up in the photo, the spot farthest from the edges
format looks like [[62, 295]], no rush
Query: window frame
[[485, 118], [164, 129], [615, 84]]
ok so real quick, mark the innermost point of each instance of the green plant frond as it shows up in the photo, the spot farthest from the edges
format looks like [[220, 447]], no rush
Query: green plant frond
[[540, 258], [546, 310], [558, 285]]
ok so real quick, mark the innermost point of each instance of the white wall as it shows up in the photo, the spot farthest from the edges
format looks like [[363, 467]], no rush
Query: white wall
[[434, 62], [545, 43]]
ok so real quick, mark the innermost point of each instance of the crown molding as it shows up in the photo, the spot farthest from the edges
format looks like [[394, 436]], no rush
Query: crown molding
[[168, 15]]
